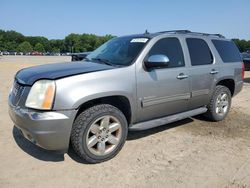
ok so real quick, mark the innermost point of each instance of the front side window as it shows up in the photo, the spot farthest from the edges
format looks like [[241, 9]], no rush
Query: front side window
[[170, 47], [121, 51], [199, 51]]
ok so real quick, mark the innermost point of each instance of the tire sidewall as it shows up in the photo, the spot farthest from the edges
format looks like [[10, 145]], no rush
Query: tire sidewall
[[113, 111], [218, 91]]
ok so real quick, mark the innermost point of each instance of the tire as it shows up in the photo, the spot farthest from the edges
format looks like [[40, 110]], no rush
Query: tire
[[97, 125], [213, 112]]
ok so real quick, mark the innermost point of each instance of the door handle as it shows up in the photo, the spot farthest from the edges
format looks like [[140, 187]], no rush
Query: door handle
[[182, 76], [213, 71]]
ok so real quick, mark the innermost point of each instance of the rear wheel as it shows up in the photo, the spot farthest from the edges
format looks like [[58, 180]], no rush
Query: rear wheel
[[220, 104], [99, 133]]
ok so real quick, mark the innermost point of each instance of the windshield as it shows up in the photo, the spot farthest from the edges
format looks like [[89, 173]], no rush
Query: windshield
[[120, 51]]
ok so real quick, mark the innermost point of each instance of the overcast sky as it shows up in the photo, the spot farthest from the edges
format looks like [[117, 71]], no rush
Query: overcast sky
[[57, 18]]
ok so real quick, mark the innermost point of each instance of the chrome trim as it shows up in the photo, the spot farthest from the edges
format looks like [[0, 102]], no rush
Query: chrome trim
[[182, 76], [214, 72]]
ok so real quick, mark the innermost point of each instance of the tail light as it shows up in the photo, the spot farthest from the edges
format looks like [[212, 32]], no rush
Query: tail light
[[243, 71]]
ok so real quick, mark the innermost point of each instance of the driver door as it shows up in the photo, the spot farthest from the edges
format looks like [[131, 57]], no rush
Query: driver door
[[163, 91]]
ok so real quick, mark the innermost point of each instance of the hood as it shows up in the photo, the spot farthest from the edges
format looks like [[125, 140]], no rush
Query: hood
[[28, 76]]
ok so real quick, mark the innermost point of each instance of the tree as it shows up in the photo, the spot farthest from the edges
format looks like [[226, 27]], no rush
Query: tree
[[71, 42], [57, 46], [243, 45], [56, 50], [42, 40], [12, 40], [25, 47], [39, 47]]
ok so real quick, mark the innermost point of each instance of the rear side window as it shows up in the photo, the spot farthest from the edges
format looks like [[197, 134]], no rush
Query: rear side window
[[228, 51], [199, 51], [170, 47]]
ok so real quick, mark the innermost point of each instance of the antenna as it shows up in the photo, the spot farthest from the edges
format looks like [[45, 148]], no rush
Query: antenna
[[146, 32]]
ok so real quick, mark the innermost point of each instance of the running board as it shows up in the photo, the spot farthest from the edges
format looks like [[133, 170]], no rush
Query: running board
[[168, 119]]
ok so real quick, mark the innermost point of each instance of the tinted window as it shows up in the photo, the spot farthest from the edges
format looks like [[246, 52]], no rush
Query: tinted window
[[227, 50], [170, 47], [199, 51]]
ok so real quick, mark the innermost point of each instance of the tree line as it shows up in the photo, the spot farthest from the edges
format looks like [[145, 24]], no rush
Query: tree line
[[14, 41], [243, 45], [17, 42]]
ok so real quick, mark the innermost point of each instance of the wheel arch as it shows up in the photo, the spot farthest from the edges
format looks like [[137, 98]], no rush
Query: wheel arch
[[119, 101], [229, 83]]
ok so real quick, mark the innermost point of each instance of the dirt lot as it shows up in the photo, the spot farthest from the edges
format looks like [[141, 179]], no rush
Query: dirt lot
[[189, 153]]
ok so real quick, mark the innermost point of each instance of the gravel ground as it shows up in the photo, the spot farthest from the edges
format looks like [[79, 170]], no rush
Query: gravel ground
[[188, 153]]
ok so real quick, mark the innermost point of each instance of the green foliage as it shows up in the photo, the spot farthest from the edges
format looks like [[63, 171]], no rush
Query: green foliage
[[42, 40], [39, 47], [243, 45], [9, 40], [57, 46], [55, 50], [24, 47], [84, 42], [14, 41]]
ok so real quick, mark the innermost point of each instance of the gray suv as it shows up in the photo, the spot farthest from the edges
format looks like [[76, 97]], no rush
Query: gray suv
[[134, 82]]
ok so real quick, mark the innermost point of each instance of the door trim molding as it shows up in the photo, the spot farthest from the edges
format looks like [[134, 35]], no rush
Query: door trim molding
[[200, 92], [159, 100]]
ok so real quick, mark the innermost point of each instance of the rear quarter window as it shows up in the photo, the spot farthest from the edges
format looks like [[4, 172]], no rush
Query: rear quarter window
[[228, 51]]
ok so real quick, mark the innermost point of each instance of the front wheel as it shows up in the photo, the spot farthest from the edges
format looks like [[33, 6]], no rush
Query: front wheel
[[220, 104], [99, 133]]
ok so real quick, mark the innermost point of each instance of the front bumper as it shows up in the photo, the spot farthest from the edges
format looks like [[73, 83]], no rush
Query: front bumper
[[47, 129]]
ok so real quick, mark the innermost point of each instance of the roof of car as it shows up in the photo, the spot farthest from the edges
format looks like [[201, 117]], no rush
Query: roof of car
[[177, 32]]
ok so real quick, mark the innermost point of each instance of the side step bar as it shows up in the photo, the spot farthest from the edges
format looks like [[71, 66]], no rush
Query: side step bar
[[165, 120]]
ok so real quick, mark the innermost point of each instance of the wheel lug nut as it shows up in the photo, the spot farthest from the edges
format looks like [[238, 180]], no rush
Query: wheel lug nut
[[107, 131], [99, 137], [104, 129]]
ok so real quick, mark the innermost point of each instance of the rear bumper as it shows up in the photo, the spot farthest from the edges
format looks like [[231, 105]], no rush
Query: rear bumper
[[49, 130], [238, 87]]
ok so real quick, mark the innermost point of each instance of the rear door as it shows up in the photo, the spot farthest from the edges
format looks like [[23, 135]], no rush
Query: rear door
[[203, 71]]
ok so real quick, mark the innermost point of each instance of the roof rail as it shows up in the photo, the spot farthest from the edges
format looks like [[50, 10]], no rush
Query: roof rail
[[176, 31], [190, 32]]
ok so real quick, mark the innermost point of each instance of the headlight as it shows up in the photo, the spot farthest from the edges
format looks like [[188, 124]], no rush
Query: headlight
[[41, 95]]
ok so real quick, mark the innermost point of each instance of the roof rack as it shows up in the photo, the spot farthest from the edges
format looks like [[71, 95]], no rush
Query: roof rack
[[190, 32]]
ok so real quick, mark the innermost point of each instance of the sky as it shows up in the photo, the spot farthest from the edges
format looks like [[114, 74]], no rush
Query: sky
[[55, 19]]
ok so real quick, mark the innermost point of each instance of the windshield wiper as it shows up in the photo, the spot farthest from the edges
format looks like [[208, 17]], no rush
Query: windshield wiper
[[104, 61], [86, 59]]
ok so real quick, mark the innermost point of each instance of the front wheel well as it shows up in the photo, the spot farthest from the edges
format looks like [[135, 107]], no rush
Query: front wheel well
[[120, 102], [229, 83]]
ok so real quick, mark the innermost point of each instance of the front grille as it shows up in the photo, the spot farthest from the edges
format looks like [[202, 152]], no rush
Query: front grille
[[17, 92]]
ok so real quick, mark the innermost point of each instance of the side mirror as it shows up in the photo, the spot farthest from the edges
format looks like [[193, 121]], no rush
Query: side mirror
[[157, 61]]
